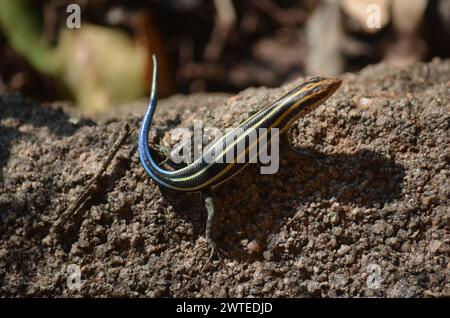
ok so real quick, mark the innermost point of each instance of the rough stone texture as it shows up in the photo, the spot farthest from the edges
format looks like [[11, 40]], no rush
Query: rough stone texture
[[364, 213]]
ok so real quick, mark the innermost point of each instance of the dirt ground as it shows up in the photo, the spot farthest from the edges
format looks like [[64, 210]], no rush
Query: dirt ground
[[362, 210]]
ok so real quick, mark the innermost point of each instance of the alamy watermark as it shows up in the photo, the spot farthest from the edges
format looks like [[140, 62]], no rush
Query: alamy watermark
[[373, 20], [73, 279], [373, 280], [234, 146], [73, 20]]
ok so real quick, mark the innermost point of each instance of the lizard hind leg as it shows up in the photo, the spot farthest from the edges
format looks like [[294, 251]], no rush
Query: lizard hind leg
[[209, 204]]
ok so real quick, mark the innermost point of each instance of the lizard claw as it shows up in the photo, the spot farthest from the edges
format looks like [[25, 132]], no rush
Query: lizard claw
[[214, 251]]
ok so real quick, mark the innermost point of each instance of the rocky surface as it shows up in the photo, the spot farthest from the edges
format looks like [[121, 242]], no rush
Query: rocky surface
[[362, 211]]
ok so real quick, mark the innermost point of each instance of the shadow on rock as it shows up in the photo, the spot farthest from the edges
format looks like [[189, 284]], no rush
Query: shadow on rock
[[24, 111], [365, 178]]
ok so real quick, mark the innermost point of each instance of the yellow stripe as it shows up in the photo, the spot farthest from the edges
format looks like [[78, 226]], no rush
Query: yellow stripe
[[230, 165], [233, 144]]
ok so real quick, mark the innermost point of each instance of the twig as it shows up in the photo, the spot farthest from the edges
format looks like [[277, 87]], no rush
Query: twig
[[92, 186]]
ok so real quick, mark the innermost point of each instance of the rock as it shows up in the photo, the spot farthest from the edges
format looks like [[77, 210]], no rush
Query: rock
[[344, 249], [392, 241], [368, 172], [47, 241], [254, 247], [434, 246], [267, 255], [313, 287], [379, 227]]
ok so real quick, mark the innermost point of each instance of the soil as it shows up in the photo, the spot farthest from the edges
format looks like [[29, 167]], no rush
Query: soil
[[360, 209]]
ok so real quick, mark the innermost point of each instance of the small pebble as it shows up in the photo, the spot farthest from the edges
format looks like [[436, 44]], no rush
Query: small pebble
[[344, 249], [254, 247]]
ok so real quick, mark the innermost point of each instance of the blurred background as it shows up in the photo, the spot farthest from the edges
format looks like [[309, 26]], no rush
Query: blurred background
[[97, 54]]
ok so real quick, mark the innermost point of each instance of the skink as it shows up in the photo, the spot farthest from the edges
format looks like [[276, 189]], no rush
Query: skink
[[204, 175]]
